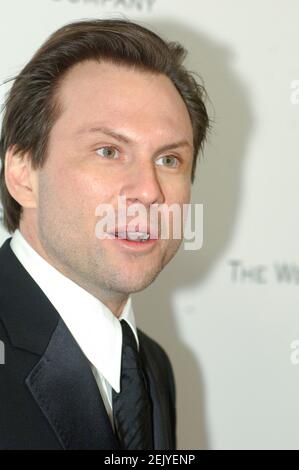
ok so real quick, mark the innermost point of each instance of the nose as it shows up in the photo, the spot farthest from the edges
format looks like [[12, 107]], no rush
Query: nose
[[142, 185]]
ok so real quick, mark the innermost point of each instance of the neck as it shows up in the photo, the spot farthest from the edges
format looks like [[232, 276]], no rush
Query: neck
[[115, 301]]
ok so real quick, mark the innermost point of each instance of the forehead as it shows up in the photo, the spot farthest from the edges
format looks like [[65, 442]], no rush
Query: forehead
[[120, 95]]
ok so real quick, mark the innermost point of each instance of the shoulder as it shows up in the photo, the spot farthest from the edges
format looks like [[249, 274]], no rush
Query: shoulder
[[157, 354], [162, 370]]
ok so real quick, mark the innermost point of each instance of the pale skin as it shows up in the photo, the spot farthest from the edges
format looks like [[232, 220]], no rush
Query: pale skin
[[59, 199]]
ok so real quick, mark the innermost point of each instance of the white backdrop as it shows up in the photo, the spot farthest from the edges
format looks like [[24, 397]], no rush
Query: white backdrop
[[228, 313]]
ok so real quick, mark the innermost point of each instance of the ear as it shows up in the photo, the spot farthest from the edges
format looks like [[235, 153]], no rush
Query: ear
[[21, 178]]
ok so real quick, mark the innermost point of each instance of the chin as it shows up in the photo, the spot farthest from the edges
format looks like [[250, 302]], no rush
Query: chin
[[137, 285]]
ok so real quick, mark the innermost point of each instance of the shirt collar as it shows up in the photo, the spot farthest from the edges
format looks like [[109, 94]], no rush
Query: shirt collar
[[93, 325]]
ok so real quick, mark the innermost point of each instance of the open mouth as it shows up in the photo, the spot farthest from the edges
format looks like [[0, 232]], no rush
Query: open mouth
[[140, 237]]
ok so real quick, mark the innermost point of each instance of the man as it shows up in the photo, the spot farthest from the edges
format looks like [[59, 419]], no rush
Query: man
[[104, 109]]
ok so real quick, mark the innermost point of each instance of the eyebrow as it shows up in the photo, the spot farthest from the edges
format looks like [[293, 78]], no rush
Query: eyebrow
[[123, 138]]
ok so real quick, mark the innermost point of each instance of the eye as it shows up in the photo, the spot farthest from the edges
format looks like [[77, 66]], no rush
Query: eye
[[107, 152], [170, 161]]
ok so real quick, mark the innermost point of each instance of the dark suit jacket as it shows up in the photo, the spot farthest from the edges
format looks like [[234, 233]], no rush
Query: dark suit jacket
[[49, 398]]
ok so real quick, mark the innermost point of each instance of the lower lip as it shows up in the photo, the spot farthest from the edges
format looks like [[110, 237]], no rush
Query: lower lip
[[134, 245]]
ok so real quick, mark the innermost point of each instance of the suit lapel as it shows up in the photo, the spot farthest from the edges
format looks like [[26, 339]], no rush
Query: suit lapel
[[162, 433], [63, 385]]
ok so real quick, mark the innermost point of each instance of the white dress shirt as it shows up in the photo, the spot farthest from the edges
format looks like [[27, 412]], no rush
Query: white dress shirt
[[93, 325]]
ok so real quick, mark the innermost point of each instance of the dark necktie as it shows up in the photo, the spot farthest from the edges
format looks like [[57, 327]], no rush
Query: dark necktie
[[132, 406]]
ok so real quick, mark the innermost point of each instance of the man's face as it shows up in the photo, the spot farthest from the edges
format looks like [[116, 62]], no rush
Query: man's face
[[86, 168]]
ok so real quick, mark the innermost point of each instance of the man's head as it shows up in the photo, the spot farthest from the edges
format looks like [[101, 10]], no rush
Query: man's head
[[125, 81]]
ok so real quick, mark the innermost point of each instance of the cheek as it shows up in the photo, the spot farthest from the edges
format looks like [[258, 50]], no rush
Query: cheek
[[82, 188], [179, 193], [178, 196], [62, 197]]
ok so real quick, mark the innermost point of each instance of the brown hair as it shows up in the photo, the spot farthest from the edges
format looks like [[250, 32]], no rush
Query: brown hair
[[31, 107]]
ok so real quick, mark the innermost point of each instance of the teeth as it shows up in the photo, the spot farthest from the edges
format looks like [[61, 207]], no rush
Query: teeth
[[137, 235], [121, 235], [142, 236]]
